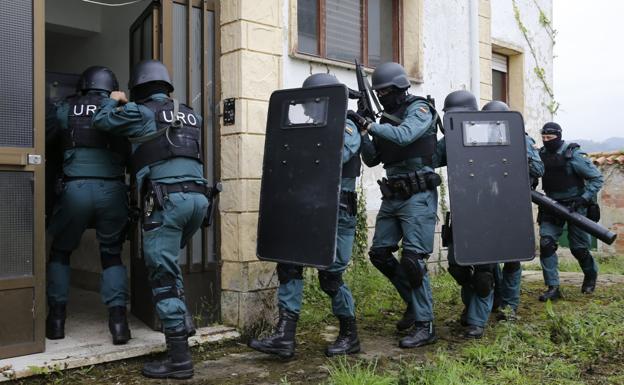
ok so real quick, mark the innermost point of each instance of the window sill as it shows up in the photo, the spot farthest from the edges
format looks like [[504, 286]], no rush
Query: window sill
[[338, 63]]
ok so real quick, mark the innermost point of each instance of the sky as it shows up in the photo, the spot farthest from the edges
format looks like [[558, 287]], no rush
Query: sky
[[589, 68]]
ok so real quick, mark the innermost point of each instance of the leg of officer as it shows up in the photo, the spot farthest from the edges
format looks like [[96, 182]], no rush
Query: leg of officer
[[71, 217], [481, 296], [550, 231], [388, 233], [580, 242], [510, 289], [331, 282], [201, 205], [289, 294], [111, 217], [417, 217], [463, 277], [498, 281]]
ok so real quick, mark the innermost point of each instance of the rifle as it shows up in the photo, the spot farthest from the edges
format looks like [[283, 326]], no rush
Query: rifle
[[365, 95]]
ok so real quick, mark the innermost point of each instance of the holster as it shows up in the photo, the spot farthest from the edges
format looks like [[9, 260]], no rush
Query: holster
[[403, 186], [593, 212]]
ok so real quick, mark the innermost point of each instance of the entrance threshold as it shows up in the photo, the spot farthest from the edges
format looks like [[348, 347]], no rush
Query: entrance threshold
[[87, 340]]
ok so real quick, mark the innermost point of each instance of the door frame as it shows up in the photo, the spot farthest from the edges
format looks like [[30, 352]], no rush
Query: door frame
[[203, 277], [16, 159]]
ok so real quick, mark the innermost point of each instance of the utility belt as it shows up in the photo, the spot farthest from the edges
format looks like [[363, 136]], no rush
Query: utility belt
[[156, 194], [405, 185], [61, 180], [348, 202]]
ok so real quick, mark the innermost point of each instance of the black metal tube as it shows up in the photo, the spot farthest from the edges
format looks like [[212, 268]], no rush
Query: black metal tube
[[574, 218]]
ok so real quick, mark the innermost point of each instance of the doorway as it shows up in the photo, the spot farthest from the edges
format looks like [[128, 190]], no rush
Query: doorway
[[78, 34]]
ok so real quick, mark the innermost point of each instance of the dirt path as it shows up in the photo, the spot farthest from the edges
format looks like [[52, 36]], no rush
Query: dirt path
[[574, 279]]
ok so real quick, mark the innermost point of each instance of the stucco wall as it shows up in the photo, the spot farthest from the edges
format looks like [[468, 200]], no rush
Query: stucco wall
[[505, 29], [611, 199], [447, 61]]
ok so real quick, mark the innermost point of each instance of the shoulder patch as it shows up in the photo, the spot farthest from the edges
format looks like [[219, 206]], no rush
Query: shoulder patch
[[349, 130]]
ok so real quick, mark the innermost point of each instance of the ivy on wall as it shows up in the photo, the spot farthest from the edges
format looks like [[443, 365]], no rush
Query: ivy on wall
[[540, 72]]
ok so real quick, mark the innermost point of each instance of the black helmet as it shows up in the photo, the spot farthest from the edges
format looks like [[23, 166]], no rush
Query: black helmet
[[461, 100], [150, 71], [321, 79], [551, 128], [390, 74], [98, 78], [495, 105]]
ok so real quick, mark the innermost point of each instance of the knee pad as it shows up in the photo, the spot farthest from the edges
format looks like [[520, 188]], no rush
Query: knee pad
[[384, 261], [511, 267], [164, 288], [413, 268], [483, 282], [330, 282], [109, 260], [581, 255], [60, 256], [287, 272], [461, 274], [548, 246]]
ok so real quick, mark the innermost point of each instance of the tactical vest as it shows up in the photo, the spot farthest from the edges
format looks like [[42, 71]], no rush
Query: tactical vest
[[172, 142], [423, 147], [80, 132], [557, 176]]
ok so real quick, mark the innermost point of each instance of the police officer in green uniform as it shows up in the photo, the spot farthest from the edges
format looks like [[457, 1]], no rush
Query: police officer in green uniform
[[507, 280], [477, 282], [404, 141], [572, 180], [290, 291], [167, 160], [92, 194]]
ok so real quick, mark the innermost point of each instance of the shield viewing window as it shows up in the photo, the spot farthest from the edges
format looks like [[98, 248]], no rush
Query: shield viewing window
[[306, 113], [492, 133]]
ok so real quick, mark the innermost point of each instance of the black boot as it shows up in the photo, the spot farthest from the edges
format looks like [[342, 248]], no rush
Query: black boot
[[55, 323], [552, 294], [589, 283], [347, 341], [282, 341], [407, 321], [178, 363], [118, 324], [473, 332], [422, 334]]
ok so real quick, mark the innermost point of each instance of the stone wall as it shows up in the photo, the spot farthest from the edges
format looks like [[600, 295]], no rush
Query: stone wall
[[250, 63], [611, 199]]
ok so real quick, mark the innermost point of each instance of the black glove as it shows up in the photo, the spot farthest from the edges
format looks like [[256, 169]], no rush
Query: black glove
[[361, 106], [360, 122], [577, 203]]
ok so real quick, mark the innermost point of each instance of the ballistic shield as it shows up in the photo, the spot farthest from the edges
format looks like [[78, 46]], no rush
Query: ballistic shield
[[300, 188], [489, 183]]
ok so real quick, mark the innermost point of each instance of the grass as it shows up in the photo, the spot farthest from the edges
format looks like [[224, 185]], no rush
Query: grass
[[576, 341], [606, 265]]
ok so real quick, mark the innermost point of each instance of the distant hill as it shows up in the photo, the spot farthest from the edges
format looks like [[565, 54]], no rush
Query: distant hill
[[611, 144]]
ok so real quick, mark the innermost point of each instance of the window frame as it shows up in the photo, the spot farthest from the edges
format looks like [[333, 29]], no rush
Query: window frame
[[397, 29], [505, 83]]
